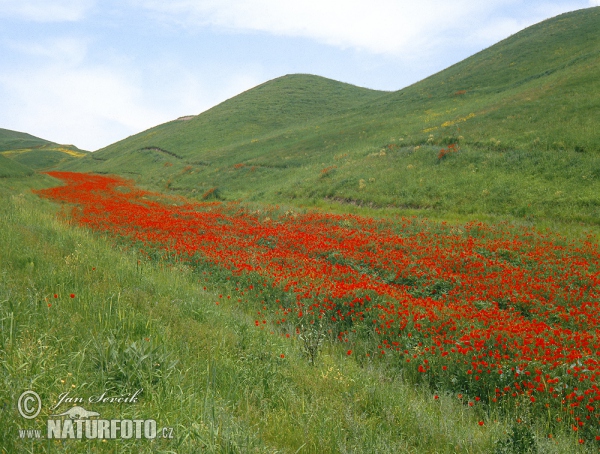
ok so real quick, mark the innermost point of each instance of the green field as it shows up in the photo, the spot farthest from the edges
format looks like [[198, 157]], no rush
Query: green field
[[511, 133], [85, 314]]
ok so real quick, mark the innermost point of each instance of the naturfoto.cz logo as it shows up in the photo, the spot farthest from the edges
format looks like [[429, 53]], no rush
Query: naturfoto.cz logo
[[78, 422], [104, 429]]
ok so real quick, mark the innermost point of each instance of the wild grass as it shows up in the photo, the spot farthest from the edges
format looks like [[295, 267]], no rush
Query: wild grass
[[44, 157], [10, 140], [79, 313], [10, 168]]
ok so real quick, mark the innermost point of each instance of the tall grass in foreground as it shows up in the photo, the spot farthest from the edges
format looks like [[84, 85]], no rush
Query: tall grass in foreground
[[79, 314]]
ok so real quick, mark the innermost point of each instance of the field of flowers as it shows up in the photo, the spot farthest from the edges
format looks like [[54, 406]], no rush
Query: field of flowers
[[498, 316]]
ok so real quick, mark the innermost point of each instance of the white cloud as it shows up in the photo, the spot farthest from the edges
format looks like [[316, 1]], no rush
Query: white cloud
[[179, 88], [66, 98], [402, 28], [594, 2], [381, 26], [89, 107], [58, 95], [500, 28], [46, 10]]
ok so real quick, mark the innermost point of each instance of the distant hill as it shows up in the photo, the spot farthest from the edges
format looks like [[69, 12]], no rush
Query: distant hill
[[522, 113], [34, 153], [277, 106], [11, 140]]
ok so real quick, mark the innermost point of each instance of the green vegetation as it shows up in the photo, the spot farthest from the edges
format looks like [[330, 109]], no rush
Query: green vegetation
[[21, 153], [12, 140], [521, 113], [45, 157], [206, 370], [10, 168], [518, 126]]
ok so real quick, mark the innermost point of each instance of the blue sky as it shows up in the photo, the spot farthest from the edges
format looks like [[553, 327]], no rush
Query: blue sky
[[92, 72]]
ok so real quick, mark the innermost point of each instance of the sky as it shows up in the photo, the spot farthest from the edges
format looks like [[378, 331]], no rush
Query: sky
[[92, 72]]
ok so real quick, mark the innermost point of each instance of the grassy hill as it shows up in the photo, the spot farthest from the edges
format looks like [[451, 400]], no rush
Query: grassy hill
[[46, 156], [22, 153], [270, 109], [535, 89], [520, 117], [243, 128], [11, 140], [10, 168]]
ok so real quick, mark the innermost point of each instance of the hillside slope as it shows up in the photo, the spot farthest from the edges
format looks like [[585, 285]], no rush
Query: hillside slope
[[279, 105], [28, 153], [11, 140], [10, 168], [522, 114], [535, 89]]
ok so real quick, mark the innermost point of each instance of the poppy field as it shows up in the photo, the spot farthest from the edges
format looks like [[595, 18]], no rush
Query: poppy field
[[498, 316]]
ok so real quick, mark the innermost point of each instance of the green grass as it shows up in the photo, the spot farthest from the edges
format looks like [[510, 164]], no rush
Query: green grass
[[10, 168], [45, 157], [21, 153], [206, 370], [522, 113], [11, 140]]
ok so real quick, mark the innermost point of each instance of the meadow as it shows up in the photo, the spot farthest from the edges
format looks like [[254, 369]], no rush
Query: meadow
[[358, 339]]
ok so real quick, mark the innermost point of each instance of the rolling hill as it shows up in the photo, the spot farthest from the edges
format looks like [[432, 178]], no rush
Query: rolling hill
[[12, 140], [22, 153], [521, 117]]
